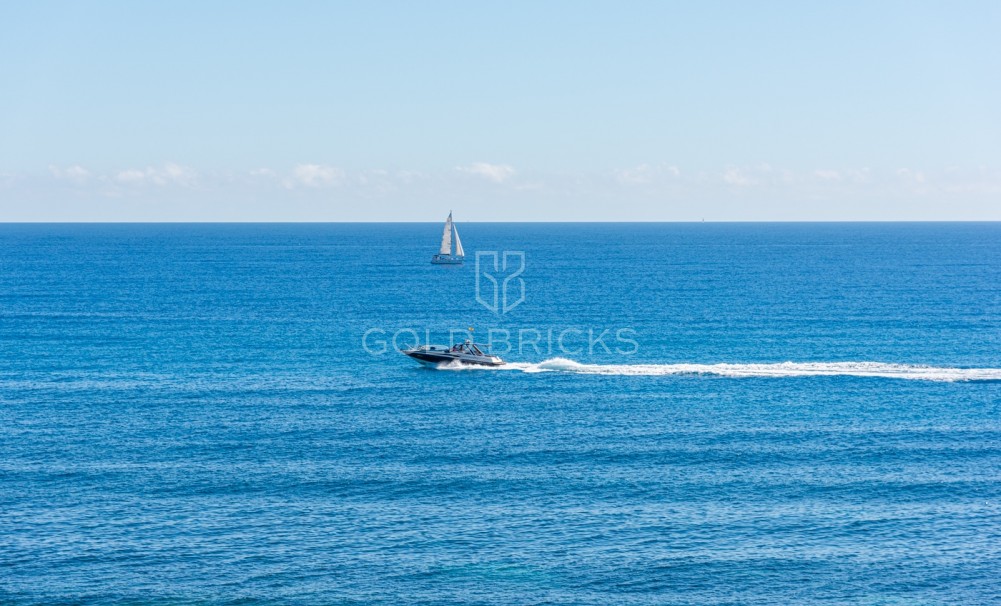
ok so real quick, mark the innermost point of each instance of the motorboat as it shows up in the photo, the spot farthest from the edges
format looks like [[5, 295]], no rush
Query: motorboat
[[445, 255], [463, 353]]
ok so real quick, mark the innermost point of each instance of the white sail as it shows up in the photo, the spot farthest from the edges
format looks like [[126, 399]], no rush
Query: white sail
[[458, 243], [446, 237]]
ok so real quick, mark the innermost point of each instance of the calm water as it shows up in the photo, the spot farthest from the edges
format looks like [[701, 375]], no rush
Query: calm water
[[810, 413]]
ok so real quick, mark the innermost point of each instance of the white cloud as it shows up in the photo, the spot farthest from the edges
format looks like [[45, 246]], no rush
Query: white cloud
[[315, 175], [175, 173], [75, 174], [826, 192], [637, 175], [738, 177], [858, 175], [498, 173], [131, 175], [915, 176], [170, 174]]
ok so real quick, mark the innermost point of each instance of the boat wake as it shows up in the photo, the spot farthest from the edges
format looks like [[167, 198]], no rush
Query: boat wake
[[783, 369]]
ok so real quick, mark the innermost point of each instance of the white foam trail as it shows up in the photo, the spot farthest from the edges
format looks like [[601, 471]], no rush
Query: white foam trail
[[784, 369]]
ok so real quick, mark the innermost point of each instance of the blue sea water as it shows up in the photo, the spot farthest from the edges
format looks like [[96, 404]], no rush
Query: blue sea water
[[803, 414]]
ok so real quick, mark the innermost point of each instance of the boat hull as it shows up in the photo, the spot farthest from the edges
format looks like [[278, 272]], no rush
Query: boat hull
[[437, 359], [446, 260]]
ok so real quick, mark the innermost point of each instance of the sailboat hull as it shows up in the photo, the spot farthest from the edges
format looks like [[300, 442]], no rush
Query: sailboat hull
[[446, 260]]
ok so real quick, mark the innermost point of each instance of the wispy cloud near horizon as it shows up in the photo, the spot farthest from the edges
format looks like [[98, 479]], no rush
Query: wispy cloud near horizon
[[168, 174], [314, 175], [498, 173], [75, 173], [644, 192], [358, 109]]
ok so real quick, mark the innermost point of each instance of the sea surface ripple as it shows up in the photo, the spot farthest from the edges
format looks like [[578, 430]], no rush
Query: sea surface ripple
[[205, 414]]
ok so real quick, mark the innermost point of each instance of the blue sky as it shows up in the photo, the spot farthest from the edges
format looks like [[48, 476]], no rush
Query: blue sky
[[514, 111]]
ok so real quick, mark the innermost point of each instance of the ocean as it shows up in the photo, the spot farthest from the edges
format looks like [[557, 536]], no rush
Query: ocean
[[700, 413]]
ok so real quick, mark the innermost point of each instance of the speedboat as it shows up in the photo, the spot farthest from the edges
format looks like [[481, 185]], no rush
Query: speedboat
[[463, 353]]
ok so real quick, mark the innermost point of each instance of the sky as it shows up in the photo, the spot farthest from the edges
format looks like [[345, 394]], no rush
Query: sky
[[515, 111]]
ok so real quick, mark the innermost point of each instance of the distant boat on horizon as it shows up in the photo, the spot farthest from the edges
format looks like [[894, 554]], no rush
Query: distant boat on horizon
[[445, 255]]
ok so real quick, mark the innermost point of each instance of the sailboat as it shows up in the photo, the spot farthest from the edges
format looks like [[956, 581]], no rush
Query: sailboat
[[445, 256]]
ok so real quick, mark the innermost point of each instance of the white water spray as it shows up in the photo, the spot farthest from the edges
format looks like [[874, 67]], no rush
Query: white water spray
[[783, 369]]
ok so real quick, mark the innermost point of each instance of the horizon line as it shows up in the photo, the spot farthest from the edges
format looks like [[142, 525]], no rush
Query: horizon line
[[376, 222]]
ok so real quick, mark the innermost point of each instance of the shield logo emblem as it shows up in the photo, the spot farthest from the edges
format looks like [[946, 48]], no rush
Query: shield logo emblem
[[499, 285]]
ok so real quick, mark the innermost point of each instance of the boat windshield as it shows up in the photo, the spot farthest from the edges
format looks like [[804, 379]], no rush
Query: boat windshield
[[468, 348]]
